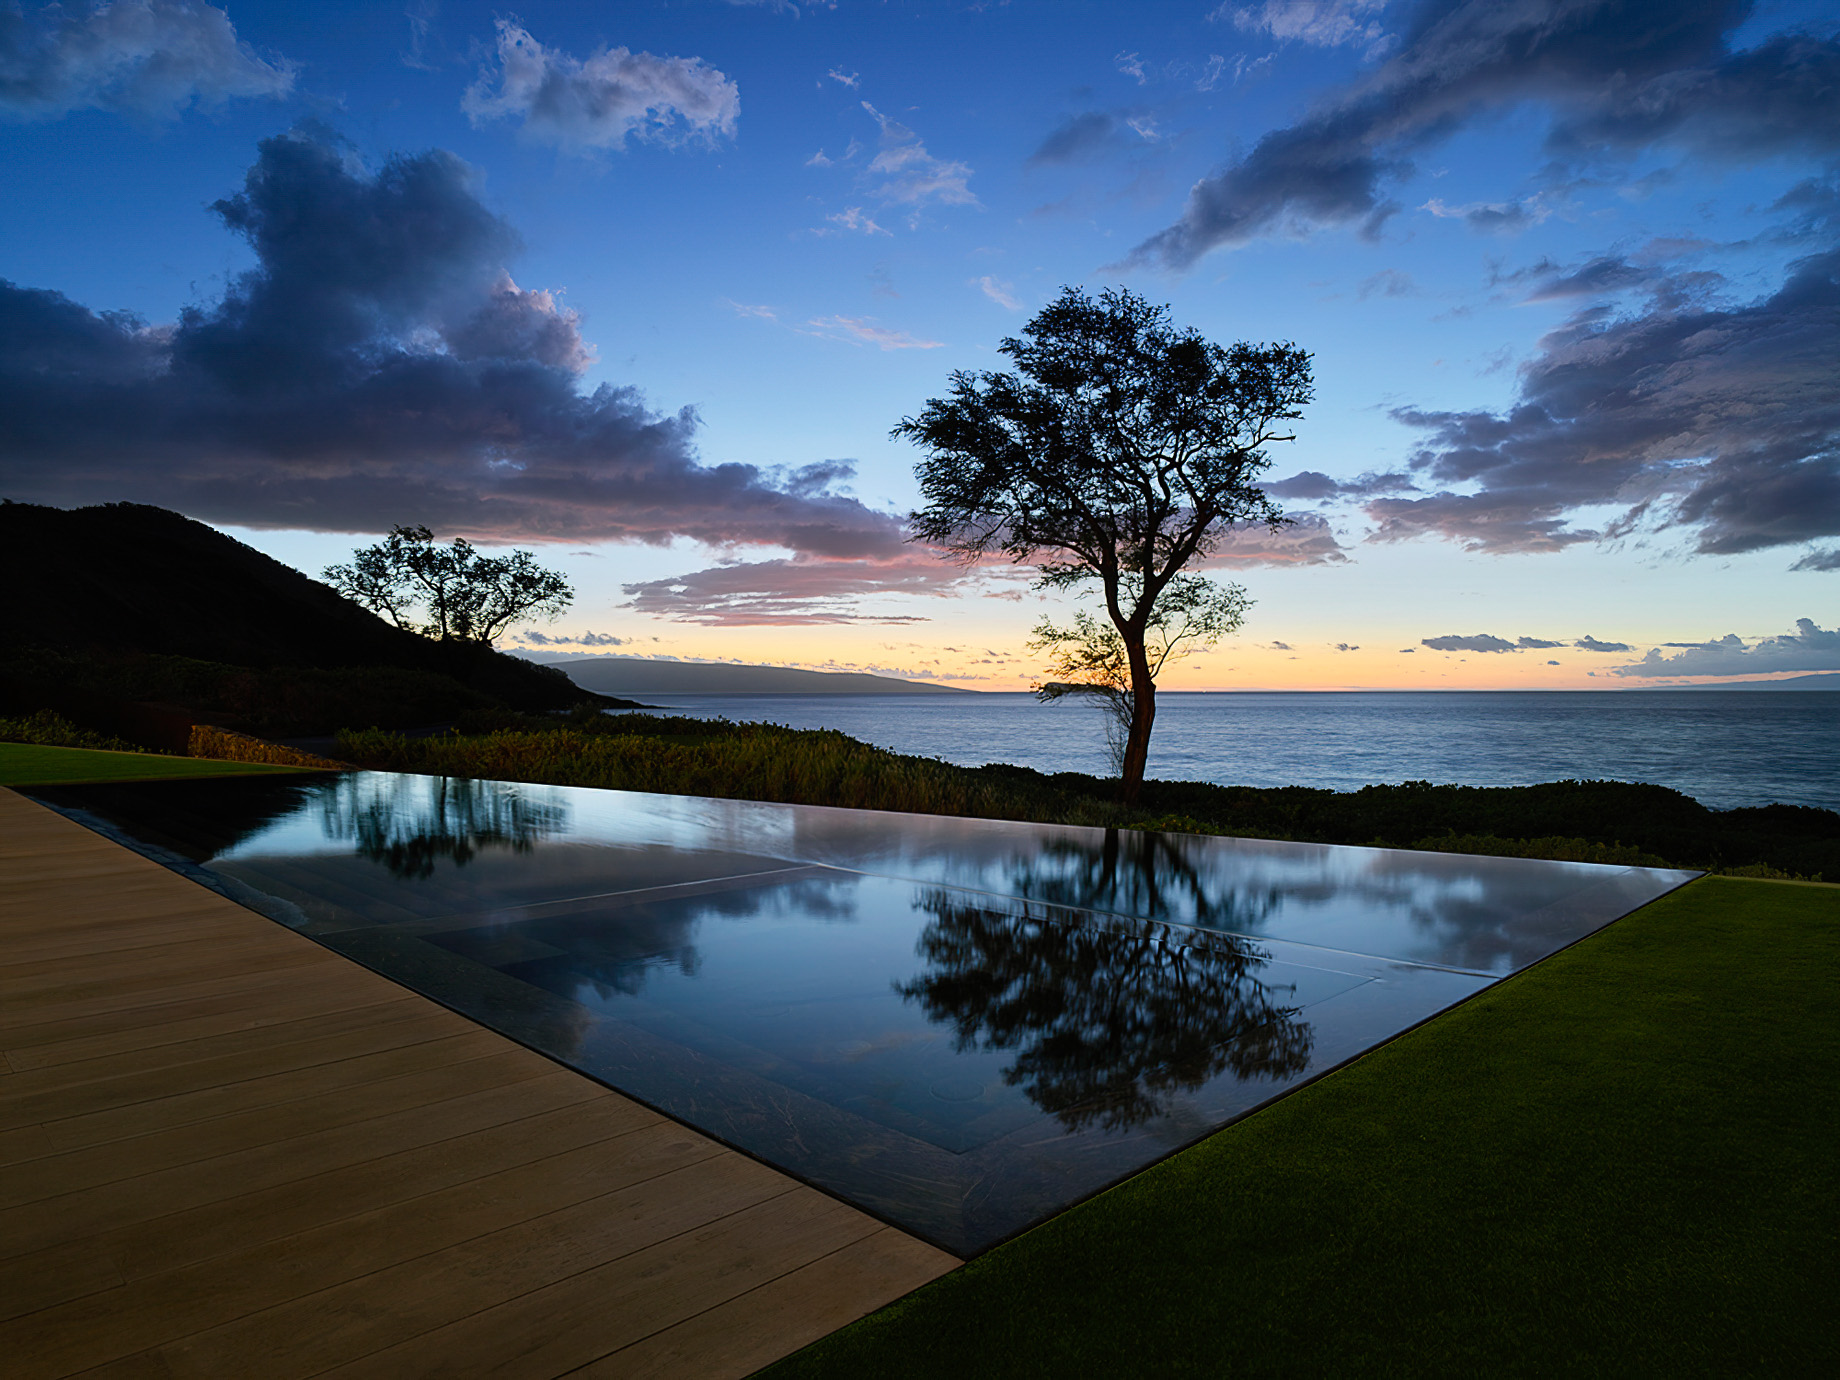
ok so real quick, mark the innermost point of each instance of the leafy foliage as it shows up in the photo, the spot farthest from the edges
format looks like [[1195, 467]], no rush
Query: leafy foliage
[[1089, 659], [1581, 821], [1118, 452], [465, 596]]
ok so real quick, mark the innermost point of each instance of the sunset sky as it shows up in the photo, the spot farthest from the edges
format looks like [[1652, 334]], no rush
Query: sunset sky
[[643, 286]]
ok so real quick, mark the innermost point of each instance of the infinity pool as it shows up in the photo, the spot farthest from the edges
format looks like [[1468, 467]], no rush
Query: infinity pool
[[962, 1026]]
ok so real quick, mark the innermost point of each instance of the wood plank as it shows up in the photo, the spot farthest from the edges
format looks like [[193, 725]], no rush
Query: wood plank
[[322, 1328], [121, 1202], [177, 1024], [175, 1304], [556, 1329], [401, 1158], [232, 1152], [740, 1336]]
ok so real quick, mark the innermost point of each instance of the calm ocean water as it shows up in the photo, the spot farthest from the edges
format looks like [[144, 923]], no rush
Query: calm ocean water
[[1724, 748]]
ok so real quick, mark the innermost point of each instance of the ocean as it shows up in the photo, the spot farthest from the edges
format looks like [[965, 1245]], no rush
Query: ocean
[[1724, 748]]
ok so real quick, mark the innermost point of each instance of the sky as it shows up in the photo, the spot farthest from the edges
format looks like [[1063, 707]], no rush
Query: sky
[[643, 287]]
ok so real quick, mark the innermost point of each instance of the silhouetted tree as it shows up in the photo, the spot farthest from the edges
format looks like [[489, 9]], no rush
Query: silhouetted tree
[[468, 597], [1118, 452]]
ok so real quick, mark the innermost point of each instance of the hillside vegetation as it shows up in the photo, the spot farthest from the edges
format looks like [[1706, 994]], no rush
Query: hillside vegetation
[[145, 622], [1582, 821]]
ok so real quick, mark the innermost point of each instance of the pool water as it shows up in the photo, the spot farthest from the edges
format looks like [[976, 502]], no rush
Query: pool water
[[963, 1026]]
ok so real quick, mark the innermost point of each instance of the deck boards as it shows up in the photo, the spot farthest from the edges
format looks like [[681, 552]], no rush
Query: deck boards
[[228, 1151]]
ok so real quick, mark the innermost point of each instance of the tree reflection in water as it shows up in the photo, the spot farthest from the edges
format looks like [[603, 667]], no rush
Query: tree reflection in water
[[409, 823], [1152, 875], [1109, 1017]]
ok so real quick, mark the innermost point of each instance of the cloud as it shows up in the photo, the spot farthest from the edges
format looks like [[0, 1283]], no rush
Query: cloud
[[146, 58], [1828, 559], [1000, 292], [1808, 648], [910, 175], [1591, 644], [1388, 282], [1077, 139], [1493, 217], [1720, 420], [536, 638], [1307, 540], [853, 219], [849, 79], [862, 330], [1476, 642], [1324, 23], [378, 365], [597, 103], [1132, 65], [1347, 647], [1314, 484], [1613, 78], [1280, 646], [1485, 642], [789, 592]]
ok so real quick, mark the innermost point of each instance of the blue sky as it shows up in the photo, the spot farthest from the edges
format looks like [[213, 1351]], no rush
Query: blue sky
[[645, 285]]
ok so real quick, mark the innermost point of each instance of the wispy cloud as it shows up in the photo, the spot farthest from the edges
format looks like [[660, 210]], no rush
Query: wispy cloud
[[862, 330], [849, 79], [998, 291], [853, 220], [910, 175]]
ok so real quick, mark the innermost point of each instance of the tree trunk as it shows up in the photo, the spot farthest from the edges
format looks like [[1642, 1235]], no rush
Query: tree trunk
[[1143, 717]]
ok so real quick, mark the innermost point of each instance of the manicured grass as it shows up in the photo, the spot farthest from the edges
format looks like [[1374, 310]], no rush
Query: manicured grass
[[27, 764], [1620, 1162]]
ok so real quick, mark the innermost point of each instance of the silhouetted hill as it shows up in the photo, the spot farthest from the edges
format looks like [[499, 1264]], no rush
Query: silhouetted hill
[[132, 604], [624, 675]]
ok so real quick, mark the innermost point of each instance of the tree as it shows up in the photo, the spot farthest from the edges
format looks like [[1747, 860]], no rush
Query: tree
[[1090, 660], [468, 597], [1118, 452]]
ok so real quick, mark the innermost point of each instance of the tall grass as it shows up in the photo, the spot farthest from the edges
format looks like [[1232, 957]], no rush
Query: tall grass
[[1577, 821], [735, 761]]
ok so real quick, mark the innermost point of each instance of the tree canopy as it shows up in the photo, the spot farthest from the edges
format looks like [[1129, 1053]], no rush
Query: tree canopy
[[451, 593], [1119, 451]]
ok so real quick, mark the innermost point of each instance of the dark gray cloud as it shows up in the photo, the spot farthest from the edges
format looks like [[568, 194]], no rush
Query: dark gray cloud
[[1828, 559], [1306, 540], [1591, 644], [146, 58], [1808, 648], [1313, 484], [1615, 76], [1485, 642], [379, 365], [1721, 420], [1083, 136]]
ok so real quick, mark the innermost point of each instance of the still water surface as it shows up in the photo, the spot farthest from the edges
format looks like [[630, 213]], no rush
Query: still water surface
[[960, 1025], [1725, 748]]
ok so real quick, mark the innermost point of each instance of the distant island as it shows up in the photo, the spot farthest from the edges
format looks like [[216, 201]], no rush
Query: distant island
[[627, 675], [1825, 682]]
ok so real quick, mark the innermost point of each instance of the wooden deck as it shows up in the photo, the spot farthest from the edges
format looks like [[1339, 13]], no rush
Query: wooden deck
[[226, 1151]]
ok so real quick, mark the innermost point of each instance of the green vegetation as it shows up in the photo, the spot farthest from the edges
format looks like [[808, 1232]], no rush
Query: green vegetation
[[1581, 821], [1619, 1162], [32, 764]]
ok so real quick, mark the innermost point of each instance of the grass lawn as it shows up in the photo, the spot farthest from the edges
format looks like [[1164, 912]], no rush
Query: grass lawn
[[1624, 1161], [27, 764]]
